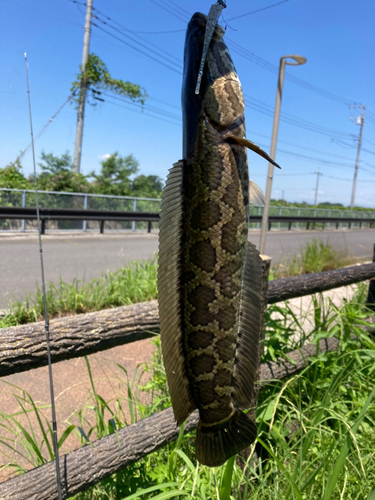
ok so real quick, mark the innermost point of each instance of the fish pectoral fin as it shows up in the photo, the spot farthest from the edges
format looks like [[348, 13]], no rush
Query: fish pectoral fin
[[256, 195], [251, 145]]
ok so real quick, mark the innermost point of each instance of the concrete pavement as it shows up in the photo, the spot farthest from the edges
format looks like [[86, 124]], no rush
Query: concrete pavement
[[87, 256]]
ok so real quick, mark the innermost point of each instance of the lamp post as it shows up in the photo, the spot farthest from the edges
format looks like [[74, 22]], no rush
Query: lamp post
[[298, 60]]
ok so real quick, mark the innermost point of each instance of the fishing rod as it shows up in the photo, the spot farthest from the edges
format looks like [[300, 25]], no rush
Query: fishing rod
[[46, 321]]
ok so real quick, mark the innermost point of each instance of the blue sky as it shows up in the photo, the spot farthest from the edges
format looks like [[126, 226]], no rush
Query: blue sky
[[336, 37]]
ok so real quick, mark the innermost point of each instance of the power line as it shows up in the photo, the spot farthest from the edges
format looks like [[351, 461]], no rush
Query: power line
[[137, 49], [294, 120], [345, 180], [274, 69], [169, 11], [249, 132], [368, 151], [178, 6], [372, 143], [251, 56], [271, 67], [258, 10], [144, 109], [45, 126], [133, 33]]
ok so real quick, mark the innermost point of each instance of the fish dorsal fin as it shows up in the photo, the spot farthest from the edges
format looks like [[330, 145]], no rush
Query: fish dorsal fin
[[251, 324], [169, 290]]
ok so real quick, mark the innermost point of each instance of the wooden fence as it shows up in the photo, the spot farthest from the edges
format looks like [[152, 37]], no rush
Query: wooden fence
[[23, 348]]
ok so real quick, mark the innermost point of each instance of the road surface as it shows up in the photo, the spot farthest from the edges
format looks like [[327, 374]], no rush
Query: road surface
[[89, 255]]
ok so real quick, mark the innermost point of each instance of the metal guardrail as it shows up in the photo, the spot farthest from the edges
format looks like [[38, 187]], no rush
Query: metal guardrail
[[285, 217], [25, 198], [47, 214]]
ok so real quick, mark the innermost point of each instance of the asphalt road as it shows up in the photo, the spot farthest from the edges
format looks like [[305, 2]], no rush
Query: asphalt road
[[88, 256]]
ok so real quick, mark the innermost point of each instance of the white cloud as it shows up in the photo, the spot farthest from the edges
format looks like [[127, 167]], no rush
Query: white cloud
[[104, 157]]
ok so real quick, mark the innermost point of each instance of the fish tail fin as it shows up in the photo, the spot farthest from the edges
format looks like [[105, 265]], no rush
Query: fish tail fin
[[215, 444]]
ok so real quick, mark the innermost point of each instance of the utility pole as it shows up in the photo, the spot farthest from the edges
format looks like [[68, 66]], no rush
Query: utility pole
[[82, 96], [280, 82], [317, 186], [362, 118]]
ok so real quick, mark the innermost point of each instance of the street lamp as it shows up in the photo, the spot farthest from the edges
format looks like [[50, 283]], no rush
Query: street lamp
[[298, 60]]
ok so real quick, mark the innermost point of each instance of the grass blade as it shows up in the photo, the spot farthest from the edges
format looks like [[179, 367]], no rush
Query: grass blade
[[345, 449]]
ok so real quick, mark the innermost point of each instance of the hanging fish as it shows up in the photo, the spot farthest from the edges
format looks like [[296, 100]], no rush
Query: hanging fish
[[210, 303]]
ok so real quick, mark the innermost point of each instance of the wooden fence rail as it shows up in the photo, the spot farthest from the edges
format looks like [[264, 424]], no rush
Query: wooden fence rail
[[23, 347], [88, 465]]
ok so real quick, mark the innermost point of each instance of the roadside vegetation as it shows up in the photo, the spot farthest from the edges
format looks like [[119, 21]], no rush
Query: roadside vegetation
[[325, 204], [316, 429], [118, 176], [316, 256], [137, 282]]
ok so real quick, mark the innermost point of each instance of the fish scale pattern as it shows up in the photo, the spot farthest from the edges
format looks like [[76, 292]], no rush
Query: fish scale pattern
[[214, 239]]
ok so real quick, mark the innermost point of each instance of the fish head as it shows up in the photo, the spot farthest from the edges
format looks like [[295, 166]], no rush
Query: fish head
[[220, 100]]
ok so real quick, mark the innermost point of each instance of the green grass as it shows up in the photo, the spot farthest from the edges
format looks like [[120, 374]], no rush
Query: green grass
[[316, 429], [136, 282], [315, 257]]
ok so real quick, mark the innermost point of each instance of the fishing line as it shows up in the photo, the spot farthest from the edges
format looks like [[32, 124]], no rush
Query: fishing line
[[46, 322], [46, 125]]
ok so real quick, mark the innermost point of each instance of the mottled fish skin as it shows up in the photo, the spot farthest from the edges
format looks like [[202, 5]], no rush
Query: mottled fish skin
[[215, 222], [210, 303]]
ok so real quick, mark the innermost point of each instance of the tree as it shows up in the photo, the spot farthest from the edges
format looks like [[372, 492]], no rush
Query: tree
[[150, 186], [115, 175], [57, 174], [97, 79], [11, 177]]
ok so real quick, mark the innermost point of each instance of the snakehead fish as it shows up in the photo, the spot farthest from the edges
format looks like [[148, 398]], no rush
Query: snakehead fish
[[210, 305]]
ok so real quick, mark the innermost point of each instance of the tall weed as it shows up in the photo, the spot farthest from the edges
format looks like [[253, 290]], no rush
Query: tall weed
[[136, 282]]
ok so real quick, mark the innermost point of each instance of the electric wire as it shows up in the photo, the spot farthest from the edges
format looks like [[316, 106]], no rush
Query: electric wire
[[266, 109], [245, 53], [274, 69], [135, 48], [184, 11], [175, 14], [258, 106], [258, 10], [178, 59], [162, 114], [46, 125], [46, 320], [145, 107], [250, 132], [137, 108], [368, 151]]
